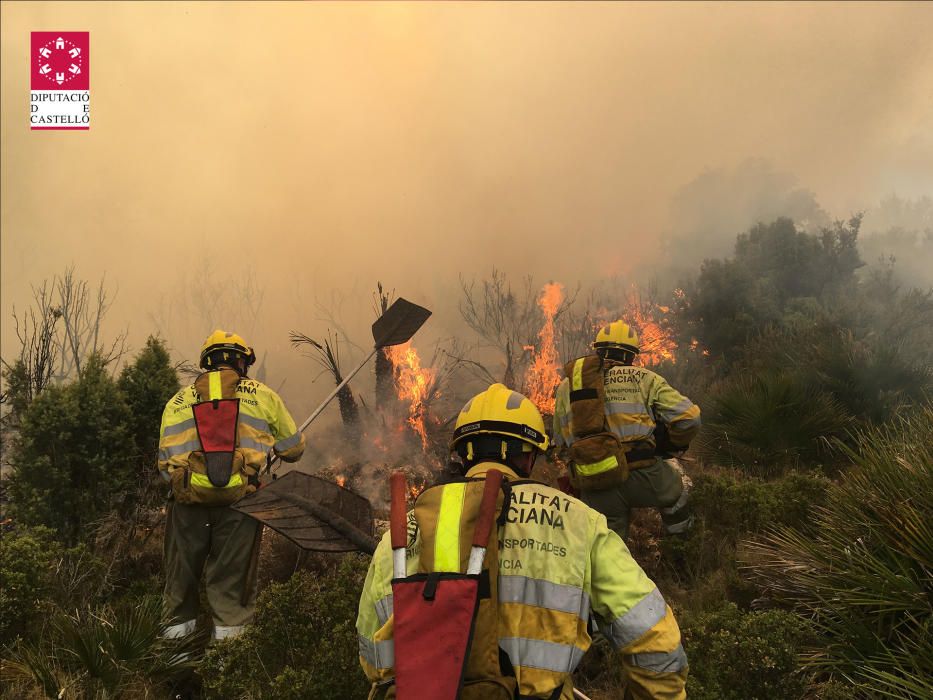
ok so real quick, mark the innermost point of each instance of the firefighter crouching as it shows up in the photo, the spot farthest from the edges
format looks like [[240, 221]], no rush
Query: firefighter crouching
[[621, 426], [215, 437], [557, 562]]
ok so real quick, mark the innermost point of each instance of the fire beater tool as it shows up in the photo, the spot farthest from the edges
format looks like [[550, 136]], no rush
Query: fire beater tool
[[396, 326]]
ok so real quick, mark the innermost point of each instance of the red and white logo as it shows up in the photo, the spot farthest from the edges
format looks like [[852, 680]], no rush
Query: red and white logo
[[60, 80]]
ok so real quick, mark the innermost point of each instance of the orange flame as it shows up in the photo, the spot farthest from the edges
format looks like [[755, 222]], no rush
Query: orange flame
[[656, 338], [413, 382], [341, 480], [657, 343], [543, 375]]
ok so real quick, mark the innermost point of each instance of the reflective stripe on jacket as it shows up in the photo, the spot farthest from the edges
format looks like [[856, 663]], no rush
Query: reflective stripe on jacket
[[558, 560], [263, 424], [637, 399]]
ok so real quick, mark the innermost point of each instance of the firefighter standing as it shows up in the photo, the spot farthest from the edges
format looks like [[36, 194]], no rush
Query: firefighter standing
[[215, 436], [557, 562], [649, 418]]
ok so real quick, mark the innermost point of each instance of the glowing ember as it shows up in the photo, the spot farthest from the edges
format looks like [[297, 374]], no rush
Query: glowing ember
[[341, 480], [543, 374], [413, 382]]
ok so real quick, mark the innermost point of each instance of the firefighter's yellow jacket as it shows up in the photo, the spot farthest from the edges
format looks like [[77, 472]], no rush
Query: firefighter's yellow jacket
[[558, 560], [637, 399], [263, 425]]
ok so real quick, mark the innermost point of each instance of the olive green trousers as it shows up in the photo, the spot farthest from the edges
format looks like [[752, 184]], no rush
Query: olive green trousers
[[214, 541], [658, 486]]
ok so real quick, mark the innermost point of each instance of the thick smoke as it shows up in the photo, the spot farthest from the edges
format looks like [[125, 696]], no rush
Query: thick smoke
[[711, 210], [260, 167]]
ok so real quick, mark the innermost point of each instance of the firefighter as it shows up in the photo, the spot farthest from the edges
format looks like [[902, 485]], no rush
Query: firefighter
[[207, 474], [558, 562], [651, 420]]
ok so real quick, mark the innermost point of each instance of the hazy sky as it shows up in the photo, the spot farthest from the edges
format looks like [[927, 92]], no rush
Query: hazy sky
[[323, 146]]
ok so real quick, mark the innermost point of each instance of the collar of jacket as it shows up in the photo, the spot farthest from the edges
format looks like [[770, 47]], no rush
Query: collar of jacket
[[479, 470]]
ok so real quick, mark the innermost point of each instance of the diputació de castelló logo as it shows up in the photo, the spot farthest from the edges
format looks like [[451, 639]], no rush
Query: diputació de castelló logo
[[60, 81]]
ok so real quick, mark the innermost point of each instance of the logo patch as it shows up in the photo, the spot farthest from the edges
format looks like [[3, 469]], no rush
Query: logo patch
[[59, 66]]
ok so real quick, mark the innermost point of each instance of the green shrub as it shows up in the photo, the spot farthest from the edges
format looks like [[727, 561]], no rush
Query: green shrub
[[147, 384], [70, 464], [766, 423], [778, 275], [872, 379], [27, 560], [728, 509], [744, 656], [302, 644], [863, 574], [38, 575], [107, 652], [733, 508], [871, 376], [88, 448]]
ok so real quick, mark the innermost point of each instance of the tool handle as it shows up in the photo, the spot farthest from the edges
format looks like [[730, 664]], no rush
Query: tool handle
[[272, 458], [398, 510], [487, 508]]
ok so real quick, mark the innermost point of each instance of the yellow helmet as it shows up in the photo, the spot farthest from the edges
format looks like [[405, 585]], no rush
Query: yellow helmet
[[221, 347], [617, 334], [501, 412]]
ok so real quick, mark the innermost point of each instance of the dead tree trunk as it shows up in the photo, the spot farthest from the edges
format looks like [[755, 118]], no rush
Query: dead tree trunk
[[385, 370], [349, 411]]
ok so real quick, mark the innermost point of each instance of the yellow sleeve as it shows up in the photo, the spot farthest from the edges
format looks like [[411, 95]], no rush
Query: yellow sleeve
[[676, 411], [162, 461], [637, 619], [289, 443], [374, 619]]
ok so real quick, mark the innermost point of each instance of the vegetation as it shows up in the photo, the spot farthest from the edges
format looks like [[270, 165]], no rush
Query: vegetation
[[281, 656], [864, 574], [808, 572], [768, 423], [69, 460], [110, 652], [27, 564], [744, 656], [82, 449], [778, 275]]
